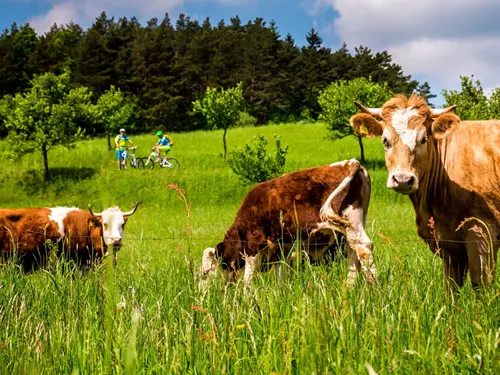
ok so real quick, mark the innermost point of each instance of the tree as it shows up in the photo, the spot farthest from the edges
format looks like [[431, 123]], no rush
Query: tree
[[471, 102], [221, 109], [253, 164], [113, 111], [494, 104], [46, 116], [424, 90], [337, 104]]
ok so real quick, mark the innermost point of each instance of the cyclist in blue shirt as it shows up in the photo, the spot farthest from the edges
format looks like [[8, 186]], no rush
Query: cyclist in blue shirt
[[121, 142], [163, 144]]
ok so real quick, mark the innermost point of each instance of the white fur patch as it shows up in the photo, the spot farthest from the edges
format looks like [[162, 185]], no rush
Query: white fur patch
[[400, 119], [58, 214], [326, 210]]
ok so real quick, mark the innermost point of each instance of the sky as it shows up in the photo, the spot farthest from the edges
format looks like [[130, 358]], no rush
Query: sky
[[433, 40]]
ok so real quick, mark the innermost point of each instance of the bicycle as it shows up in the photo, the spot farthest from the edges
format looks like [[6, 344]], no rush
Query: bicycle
[[163, 163], [134, 162]]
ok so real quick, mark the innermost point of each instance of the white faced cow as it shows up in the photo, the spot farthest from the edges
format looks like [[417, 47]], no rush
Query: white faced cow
[[450, 169]]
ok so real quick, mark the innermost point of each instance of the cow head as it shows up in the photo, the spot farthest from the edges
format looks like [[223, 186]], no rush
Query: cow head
[[406, 127], [113, 222]]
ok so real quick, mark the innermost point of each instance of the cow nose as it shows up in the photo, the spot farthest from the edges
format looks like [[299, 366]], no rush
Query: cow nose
[[117, 241], [403, 181]]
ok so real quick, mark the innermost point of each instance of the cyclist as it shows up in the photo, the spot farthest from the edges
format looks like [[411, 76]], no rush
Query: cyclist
[[163, 144], [121, 141]]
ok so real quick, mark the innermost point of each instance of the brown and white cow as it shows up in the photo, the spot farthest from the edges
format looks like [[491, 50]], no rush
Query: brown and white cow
[[82, 235], [450, 169], [312, 206]]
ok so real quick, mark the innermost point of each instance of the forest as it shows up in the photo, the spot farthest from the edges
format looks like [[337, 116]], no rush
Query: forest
[[164, 66]]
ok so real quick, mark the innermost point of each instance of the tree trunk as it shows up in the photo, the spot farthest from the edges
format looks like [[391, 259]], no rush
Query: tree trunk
[[45, 164], [362, 149], [224, 142], [109, 140]]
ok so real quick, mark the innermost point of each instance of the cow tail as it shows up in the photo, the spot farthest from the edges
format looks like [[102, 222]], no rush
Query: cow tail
[[327, 213]]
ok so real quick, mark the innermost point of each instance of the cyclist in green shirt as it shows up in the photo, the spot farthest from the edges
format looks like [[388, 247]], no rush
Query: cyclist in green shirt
[[121, 141]]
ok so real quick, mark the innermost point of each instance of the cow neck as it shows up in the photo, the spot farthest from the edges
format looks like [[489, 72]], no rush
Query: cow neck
[[431, 191]]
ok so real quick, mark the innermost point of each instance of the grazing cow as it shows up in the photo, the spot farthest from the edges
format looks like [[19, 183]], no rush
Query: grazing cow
[[450, 169], [81, 235], [310, 206]]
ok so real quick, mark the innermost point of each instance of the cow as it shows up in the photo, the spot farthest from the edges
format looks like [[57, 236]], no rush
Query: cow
[[312, 206], [450, 170], [81, 235]]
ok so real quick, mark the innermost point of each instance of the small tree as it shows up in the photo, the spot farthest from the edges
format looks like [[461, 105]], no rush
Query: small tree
[[114, 111], [471, 102], [253, 164], [46, 116], [221, 108], [424, 90], [494, 104], [337, 104]]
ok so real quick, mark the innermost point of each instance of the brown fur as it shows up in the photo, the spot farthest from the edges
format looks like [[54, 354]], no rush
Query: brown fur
[[458, 177], [27, 231], [276, 213]]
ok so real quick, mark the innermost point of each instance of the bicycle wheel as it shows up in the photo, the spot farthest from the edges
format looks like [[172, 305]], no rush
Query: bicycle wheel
[[140, 163], [149, 163], [174, 163]]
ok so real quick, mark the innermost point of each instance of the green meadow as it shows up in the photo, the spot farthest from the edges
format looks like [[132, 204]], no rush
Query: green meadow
[[148, 315]]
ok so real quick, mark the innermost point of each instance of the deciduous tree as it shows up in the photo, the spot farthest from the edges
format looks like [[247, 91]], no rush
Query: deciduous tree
[[221, 108], [46, 116], [337, 104]]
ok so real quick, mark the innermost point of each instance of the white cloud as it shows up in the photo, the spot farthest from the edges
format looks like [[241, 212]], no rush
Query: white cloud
[[85, 11], [435, 40]]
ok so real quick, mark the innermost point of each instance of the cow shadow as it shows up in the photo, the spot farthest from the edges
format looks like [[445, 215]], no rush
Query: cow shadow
[[60, 179]]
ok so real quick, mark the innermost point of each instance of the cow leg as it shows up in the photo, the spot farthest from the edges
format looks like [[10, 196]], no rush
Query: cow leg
[[252, 266], [455, 270], [360, 244], [482, 255]]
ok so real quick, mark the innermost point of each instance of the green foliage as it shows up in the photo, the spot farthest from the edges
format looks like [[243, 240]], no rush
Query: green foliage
[[246, 120], [114, 111], [424, 90], [337, 103], [253, 164], [46, 116], [221, 108], [471, 101], [494, 104]]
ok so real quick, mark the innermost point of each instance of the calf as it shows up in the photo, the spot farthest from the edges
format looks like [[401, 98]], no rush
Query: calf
[[312, 206], [81, 235]]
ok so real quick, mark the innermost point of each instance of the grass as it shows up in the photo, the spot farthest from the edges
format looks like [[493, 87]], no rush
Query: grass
[[149, 316]]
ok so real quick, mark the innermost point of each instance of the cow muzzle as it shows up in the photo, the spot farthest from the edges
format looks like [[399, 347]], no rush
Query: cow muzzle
[[403, 182], [117, 243]]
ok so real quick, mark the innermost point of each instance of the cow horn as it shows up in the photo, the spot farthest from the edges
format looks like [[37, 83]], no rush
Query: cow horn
[[93, 213], [440, 111], [133, 210], [371, 111]]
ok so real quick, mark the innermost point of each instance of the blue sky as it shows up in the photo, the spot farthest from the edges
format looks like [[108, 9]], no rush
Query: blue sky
[[434, 41]]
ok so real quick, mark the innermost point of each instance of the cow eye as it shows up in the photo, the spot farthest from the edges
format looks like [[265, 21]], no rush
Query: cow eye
[[423, 141], [105, 225], [386, 142]]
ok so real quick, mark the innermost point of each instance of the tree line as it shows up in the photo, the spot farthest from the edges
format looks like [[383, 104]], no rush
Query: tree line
[[164, 67]]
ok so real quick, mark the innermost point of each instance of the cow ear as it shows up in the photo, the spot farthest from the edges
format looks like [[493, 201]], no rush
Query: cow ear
[[365, 125], [444, 125]]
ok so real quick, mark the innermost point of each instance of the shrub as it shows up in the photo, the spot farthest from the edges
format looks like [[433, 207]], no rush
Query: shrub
[[252, 163], [246, 120]]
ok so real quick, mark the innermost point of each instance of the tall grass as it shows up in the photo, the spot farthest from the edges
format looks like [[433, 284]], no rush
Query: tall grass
[[149, 316]]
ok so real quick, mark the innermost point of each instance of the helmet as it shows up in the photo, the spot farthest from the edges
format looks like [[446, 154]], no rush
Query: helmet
[[159, 132], [122, 130]]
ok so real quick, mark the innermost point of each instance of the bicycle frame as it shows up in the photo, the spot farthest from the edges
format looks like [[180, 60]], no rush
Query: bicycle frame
[[133, 159], [163, 161]]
